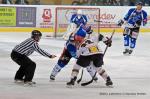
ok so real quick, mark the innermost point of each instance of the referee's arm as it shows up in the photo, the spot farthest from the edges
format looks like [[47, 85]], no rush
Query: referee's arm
[[39, 50]]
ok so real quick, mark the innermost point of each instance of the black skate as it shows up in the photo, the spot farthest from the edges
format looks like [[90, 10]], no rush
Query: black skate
[[126, 52], [72, 81], [95, 79], [19, 81], [52, 78], [109, 82], [130, 51], [29, 83]]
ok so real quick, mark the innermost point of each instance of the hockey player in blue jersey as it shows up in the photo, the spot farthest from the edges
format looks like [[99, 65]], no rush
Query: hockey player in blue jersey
[[77, 20], [135, 18], [69, 52]]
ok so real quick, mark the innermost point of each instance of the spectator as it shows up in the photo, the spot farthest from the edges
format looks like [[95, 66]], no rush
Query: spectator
[[76, 2], [132, 2], [145, 2], [22, 2], [36, 2], [84, 2], [124, 2], [6, 2], [97, 2]]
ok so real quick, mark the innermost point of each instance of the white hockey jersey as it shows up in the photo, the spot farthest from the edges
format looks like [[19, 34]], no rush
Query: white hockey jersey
[[89, 47]]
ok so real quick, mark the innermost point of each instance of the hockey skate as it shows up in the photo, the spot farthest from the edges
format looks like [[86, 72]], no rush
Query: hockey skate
[[52, 78], [95, 79], [19, 81], [130, 51], [126, 52], [72, 81], [109, 82], [29, 84]]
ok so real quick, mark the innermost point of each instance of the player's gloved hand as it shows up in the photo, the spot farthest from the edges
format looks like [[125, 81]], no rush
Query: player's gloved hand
[[90, 32], [144, 22], [120, 22], [138, 23], [108, 42], [52, 56]]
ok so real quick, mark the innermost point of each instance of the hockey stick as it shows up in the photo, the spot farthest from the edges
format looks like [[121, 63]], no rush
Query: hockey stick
[[79, 80], [89, 82]]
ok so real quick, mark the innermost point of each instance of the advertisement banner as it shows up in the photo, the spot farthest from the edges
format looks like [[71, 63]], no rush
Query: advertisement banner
[[110, 16], [45, 17], [7, 16], [26, 17]]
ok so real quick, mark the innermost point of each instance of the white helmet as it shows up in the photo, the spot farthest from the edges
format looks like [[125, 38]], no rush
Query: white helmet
[[79, 12]]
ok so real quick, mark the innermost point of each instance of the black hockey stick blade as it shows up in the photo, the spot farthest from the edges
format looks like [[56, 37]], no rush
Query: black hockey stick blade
[[80, 77], [89, 82]]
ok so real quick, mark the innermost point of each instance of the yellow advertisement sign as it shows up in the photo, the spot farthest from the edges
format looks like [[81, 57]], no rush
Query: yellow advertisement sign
[[7, 16]]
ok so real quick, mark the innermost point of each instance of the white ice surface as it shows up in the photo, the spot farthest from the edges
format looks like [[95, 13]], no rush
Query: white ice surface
[[130, 74]]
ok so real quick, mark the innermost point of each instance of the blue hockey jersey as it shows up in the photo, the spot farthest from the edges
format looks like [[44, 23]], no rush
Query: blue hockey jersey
[[133, 16], [78, 21]]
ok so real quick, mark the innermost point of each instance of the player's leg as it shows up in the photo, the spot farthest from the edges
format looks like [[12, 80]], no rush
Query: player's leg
[[91, 70], [133, 38], [126, 44], [62, 62], [74, 74], [132, 44], [126, 35], [83, 61], [98, 62]]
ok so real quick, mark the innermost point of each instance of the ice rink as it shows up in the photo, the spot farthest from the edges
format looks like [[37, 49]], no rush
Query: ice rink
[[130, 74]]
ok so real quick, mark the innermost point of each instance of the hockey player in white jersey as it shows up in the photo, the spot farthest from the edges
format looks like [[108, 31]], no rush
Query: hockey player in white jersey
[[77, 20], [88, 52]]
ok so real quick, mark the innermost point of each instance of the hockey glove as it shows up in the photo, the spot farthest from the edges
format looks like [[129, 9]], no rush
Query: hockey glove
[[88, 29], [120, 22], [144, 22], [138, 23], [90, 32], [108, 42]]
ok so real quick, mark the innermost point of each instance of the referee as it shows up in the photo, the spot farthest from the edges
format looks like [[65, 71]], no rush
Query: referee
[[20, 55]]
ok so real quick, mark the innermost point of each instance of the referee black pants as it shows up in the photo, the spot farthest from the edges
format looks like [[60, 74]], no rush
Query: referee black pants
[[27, 66]]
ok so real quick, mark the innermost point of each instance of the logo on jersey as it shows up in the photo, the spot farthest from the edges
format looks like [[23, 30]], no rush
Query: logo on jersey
[[47, 15]]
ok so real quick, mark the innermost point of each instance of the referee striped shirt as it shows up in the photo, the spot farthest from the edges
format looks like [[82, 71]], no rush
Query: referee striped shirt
[[28, 46]]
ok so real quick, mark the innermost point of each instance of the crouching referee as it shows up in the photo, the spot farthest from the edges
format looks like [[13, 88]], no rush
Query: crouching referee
[[20, 55]]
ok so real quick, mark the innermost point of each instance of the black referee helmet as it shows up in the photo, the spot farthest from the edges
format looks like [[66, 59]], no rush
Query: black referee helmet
[[35, 33]]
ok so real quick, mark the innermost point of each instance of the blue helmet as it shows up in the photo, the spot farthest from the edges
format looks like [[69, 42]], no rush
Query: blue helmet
[[81, 32], [80, 35]]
